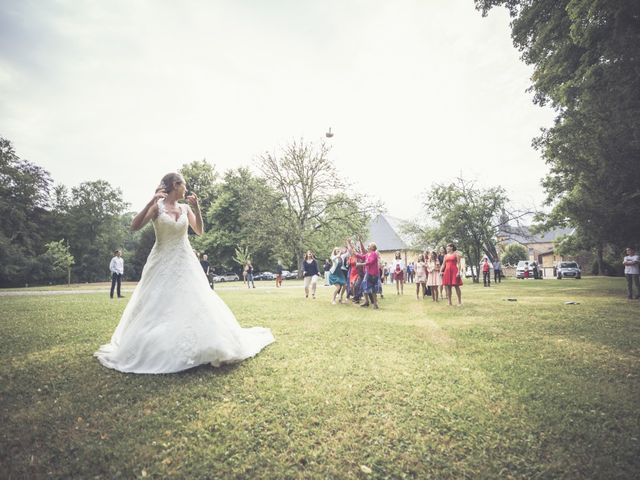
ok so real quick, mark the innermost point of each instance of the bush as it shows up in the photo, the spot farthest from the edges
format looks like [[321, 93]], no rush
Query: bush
[[513, 254]]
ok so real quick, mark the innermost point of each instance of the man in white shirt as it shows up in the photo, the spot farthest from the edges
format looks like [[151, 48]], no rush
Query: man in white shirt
[[117, 269], [632, 271]]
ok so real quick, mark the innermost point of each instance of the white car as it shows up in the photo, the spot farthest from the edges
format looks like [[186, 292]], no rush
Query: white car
[[522, 264], [226, 277]]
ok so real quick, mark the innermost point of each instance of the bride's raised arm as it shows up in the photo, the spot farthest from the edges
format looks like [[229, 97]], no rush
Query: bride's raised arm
[[195, 217], [149, 211]]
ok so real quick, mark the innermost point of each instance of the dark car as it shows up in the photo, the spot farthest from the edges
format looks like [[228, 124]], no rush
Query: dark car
[[264, 276]]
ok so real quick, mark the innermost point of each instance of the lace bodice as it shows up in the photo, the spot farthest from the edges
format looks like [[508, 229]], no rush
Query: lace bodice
[[168, 229]]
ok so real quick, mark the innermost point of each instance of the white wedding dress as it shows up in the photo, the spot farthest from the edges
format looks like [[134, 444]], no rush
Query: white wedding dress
[[174, 321]]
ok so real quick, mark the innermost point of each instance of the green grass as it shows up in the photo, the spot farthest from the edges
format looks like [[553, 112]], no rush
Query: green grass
[[495, 389]]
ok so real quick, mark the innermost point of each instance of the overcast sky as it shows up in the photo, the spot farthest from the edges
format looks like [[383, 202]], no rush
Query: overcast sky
[[416, 92]]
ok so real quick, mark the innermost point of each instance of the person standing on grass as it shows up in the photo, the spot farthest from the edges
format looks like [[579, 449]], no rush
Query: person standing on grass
[[421, 277], [249, 269], [310, 274], [631, 264], [433, 275], [486, 272], [173, 321], [326, 268], [336, 277], [441, 253], [497, 271], [279, 274], [355, 278], [450, 270], [371, 263], [397, 267], [116, 266]]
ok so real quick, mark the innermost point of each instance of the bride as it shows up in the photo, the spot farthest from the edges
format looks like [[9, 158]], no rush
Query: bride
[[174, 321]]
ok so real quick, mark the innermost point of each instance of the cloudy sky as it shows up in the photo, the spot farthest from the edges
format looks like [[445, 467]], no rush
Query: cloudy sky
[[416, 92]]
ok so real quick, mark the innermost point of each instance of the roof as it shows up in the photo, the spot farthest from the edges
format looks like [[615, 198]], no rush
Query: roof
[[524, 236], [386, 232]]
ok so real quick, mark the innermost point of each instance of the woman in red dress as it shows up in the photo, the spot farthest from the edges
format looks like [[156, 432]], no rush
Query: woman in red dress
[[450, 272]]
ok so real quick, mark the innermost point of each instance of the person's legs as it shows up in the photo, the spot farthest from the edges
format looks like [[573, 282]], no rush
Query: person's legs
[[314, 283], [118, 284], [307, 282], [113, 284], [629, 285], [418, 286], [335, 293], [459, 295], [401, 285], [448, 290], [636, 280]]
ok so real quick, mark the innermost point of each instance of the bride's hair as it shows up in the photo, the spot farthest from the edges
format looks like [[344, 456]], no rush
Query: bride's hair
[[168, 180]]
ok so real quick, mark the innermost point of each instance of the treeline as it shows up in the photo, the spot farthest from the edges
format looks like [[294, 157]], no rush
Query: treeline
[[586, 60], [54, 234]]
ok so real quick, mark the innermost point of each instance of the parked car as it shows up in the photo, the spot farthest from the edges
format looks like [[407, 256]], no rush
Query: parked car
[[226, 277], [520, 269], [568, 270], [264, 276], [287, 275]]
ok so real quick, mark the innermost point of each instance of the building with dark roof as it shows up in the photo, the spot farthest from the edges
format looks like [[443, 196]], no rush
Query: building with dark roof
[[540, 247], [386, 232]]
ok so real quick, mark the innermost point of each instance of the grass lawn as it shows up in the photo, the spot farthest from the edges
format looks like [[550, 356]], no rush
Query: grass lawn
[[531, 388]]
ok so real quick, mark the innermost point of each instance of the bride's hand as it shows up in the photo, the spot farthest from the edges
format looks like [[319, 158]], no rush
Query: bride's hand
[[160, 193], [193, 201]]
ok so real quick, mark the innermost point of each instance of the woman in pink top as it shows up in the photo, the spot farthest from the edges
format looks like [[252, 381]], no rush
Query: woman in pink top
[[450, 271], [370, 261]]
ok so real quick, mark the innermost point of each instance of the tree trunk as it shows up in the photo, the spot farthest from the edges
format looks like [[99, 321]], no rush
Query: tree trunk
[[300, 257], [600, 259]]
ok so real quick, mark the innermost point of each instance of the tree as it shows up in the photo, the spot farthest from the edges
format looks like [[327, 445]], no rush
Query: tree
[[312, 192], [95, 228], [246, 215], [201, 178], [24, 198], [586, 64], [470, 217], [514, 253], [57, 261]]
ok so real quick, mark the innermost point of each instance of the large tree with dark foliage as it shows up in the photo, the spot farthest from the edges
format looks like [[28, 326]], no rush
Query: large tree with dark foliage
[[24, 218], [586, 59]]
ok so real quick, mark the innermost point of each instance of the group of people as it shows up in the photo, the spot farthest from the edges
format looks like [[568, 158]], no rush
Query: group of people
[[486, 266], [358, 273]]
